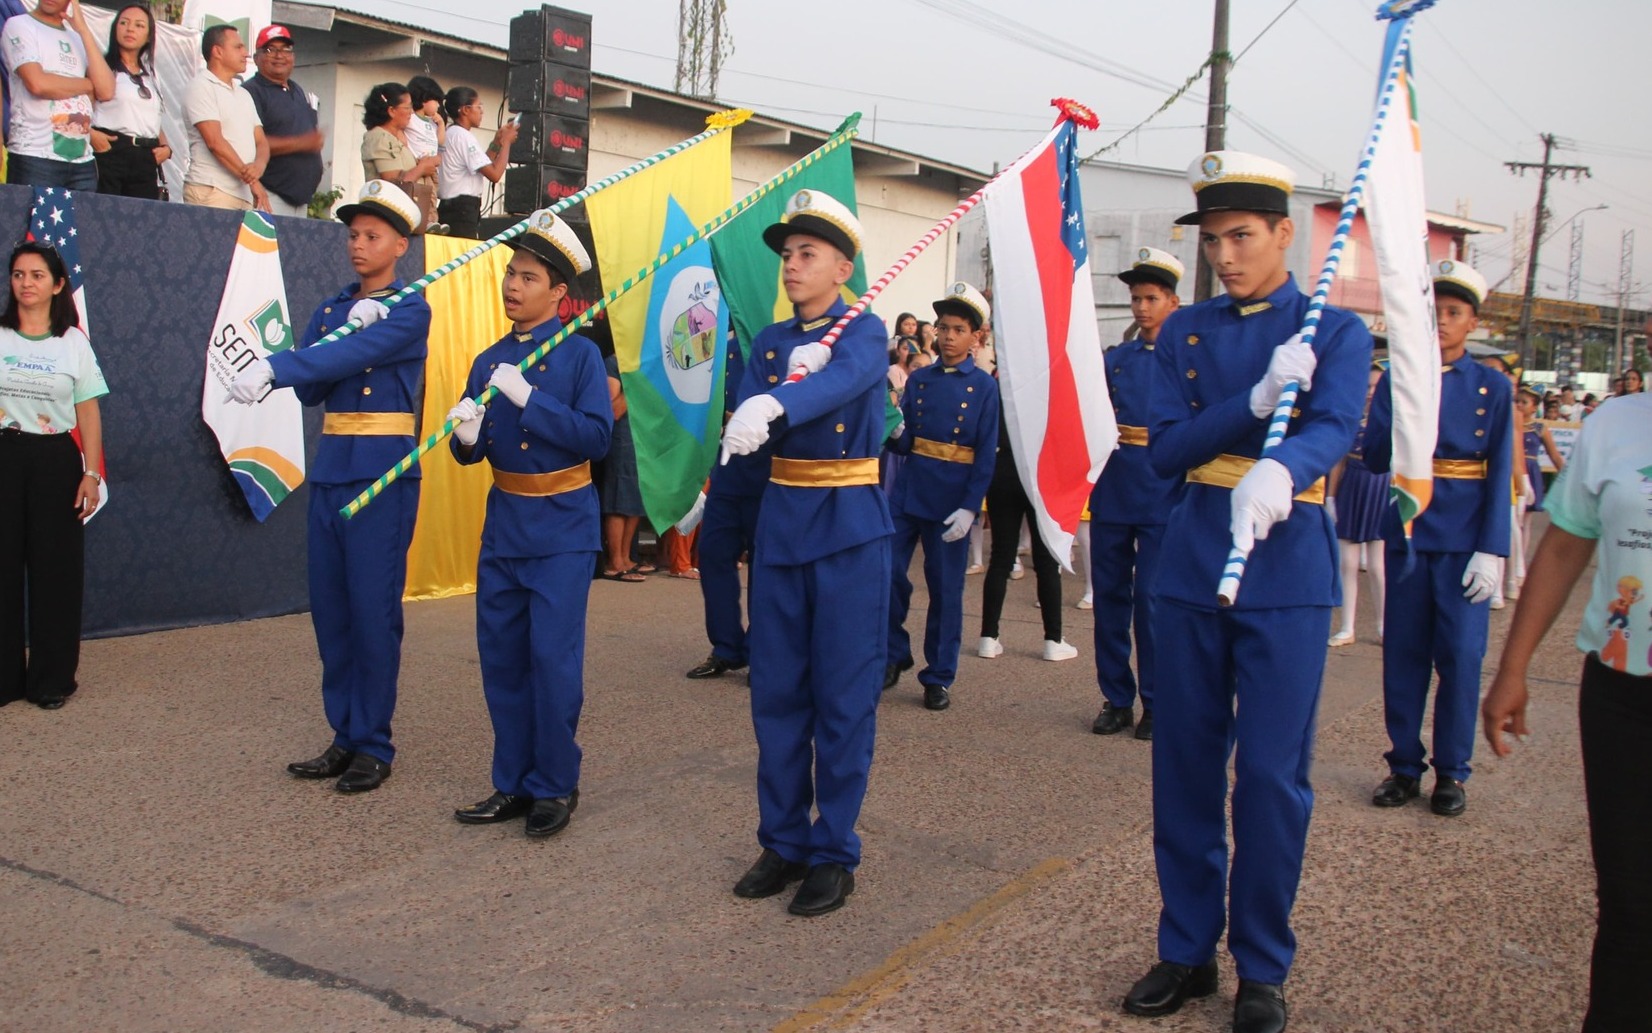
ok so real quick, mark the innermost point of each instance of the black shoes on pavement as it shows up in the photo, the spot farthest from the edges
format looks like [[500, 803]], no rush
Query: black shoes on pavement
[[936, 697], [826, 887], [1395, 791], [713, 666], [545, 817], [330, 764], [1448, 800], [549, 816], [1167, 986], [1113, 720], [356, 772], [496, 808], [771, 874], [892, 673], [1259, 1008], [1144, 727]]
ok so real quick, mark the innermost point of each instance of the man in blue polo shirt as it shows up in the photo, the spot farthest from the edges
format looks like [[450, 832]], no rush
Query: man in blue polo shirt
[[290, 125]]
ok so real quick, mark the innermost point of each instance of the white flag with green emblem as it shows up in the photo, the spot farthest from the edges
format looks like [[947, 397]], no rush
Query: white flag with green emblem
[[263, 443], [248, 17]]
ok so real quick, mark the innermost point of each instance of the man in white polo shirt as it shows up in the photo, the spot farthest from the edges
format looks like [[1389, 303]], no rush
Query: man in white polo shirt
[[227, 149]]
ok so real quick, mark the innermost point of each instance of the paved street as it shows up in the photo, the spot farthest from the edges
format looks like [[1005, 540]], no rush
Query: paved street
[[160, 871]]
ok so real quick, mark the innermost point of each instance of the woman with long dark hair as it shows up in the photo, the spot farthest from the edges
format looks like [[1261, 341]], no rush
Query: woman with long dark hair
[[467, 169], [386, 152], [49, 385], [127, 138]]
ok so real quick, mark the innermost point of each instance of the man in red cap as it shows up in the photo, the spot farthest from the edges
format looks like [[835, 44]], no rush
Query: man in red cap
[[291, 127]]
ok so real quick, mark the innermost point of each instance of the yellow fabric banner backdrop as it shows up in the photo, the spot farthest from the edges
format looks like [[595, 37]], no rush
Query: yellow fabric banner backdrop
[[465, 317]]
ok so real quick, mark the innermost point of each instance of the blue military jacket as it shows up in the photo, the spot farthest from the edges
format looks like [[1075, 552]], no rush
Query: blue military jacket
[[1209, 356], [947, 405], [377, 369], [746, 476], [1477, 424], [836, 413], [567, 421], [1129, 491]]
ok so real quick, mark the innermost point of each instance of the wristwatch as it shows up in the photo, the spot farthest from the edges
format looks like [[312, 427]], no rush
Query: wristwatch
[[94, 476]]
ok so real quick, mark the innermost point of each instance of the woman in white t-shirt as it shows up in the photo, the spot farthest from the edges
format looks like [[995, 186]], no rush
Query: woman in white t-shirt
[[1600, 509], [49, 385], [466, 169], [126, 132]]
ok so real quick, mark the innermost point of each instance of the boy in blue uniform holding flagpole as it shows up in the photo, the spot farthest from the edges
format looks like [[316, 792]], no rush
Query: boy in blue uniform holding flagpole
[[1436, 608], [820, 570], [369, 382], [1245, 680], [542, 534], [1128, 508], [949, 432]]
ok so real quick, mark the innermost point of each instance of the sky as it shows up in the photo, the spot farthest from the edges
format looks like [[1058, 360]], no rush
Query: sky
[[962, 81]]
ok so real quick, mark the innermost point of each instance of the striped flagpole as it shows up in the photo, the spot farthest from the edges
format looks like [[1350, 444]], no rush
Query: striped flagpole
[[845, 133], [715, 123], [1070, 111], [1227, 590]]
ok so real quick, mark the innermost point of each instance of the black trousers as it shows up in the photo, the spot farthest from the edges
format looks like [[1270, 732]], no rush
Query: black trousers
[[1615, 720], [128, 171], [42, 566], [463, 215], [1008, 506]]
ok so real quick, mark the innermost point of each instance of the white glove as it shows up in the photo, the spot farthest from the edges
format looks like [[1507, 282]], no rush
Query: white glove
[[469, 415], [1527, 495], [1331, 509], [1261, 499], [748, 428], [957, 525], [368, 311], [1480, 579], [247, 387], [509, 381], [810, 358], [1292, 361], [900, 428], [691, 520]]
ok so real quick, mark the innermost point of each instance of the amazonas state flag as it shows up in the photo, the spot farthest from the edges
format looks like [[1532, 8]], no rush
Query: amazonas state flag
[[263, 443], [669, 339]]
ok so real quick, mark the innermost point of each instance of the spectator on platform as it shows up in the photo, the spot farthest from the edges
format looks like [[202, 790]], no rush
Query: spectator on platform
[[227, 149], [54, 73], [126, 130], [1551, 408], [1570, 407], [466, 169], [622, 508], [386, 150], [906, 325], [901, 367], [1633, 383], [927, 338], [427, 136], [48, 496], [291, 125]]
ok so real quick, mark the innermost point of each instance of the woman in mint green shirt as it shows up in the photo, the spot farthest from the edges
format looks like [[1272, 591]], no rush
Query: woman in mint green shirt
[[49, 385]]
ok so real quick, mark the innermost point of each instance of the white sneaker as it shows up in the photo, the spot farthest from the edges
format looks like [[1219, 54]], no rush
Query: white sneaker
[[1059, 650], [1017, 572], [1086, 603], [989, 648]]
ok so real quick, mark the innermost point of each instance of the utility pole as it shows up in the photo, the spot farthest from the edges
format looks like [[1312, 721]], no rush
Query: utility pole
[[1216, 126], [703, 41], [1574, 261], [1626, 268], [1546, 169]]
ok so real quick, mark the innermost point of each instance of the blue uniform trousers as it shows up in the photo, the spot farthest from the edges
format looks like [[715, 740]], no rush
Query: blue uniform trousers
[[727, 530], [1123, 561], [358, 572], [816, 676], [944, 564], [1267, 663], [530, 631], [1428, 626]]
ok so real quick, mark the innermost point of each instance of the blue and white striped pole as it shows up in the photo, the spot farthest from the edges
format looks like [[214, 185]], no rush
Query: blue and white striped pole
[[1234, 570]]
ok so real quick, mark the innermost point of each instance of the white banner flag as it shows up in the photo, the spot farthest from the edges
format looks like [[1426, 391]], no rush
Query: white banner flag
[[263, 442]]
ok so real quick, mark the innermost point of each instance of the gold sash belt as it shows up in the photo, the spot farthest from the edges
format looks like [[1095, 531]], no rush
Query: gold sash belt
[[823, 473], [1225, 471], [946, 453], [1132, 435], [539, 485], [1460, 469], [400, 423]]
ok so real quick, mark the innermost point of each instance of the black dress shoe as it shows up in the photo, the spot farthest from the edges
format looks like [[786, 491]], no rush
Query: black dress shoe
[[771, 874], [1167, 986], [936, 697], [498, 807], [365, 774], [1450, 798], [1259, 1008], [1113, 720], [1395, 791], [826, 888], [1144, 727], [892, 673], [549, 816], [712, 666], [330, 764], [51, 702]]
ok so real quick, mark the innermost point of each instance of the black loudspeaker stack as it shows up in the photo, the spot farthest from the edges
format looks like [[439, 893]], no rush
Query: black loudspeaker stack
[[549, 87]]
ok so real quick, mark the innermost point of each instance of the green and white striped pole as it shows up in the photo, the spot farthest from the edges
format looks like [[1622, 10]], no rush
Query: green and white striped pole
[[841, 136], [715, 123]]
